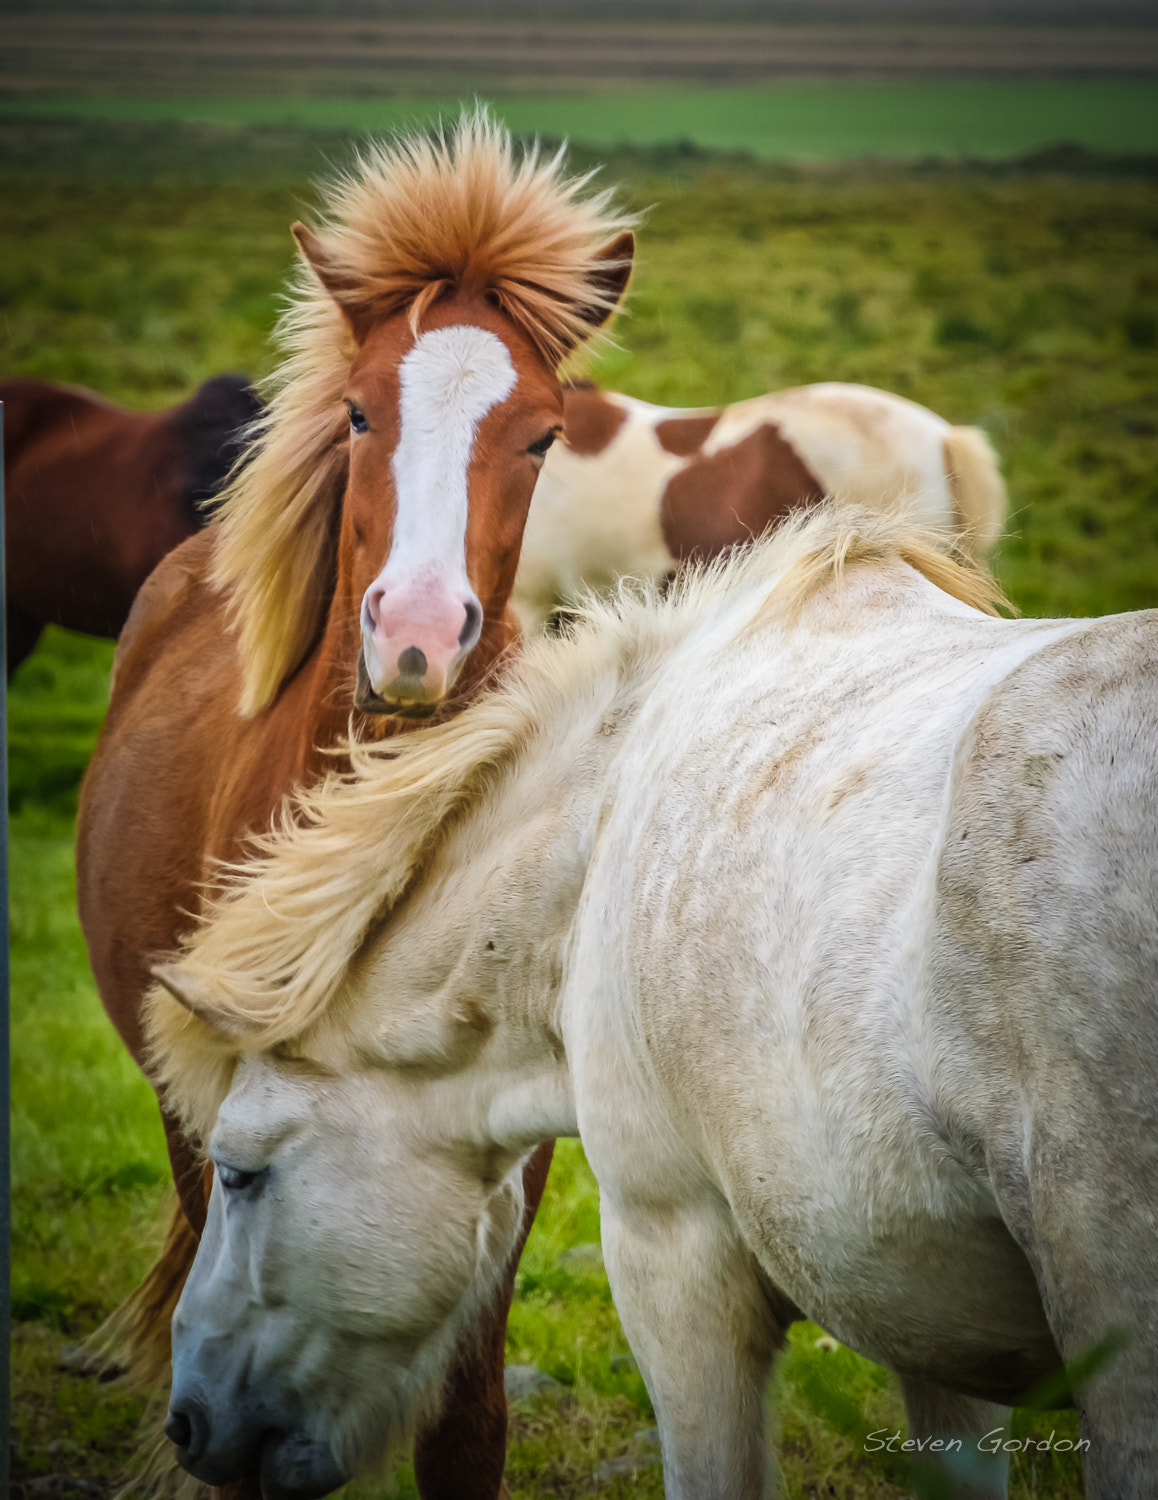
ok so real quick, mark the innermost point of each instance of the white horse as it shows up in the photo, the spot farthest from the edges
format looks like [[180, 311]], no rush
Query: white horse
[[636, 488], [821, 905]]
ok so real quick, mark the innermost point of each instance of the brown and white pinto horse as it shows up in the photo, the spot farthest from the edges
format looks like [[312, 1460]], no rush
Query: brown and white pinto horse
[[364, 561], [95, 496], [636, 488]]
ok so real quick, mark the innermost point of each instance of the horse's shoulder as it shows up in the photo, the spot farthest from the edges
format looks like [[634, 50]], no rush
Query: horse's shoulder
[[176, 596]]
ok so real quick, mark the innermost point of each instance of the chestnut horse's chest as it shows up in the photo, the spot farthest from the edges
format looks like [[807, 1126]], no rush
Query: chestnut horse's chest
[[177, 779]]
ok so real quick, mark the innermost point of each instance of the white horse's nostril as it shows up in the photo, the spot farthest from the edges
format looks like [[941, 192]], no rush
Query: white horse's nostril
[[187, 1428]]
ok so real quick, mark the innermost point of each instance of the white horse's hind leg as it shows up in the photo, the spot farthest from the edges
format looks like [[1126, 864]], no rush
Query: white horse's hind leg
[[695, 1311], [936, 1414]]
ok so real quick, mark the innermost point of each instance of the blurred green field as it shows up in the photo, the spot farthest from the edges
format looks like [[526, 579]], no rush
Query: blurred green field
[[1023, 300], [803, 119]]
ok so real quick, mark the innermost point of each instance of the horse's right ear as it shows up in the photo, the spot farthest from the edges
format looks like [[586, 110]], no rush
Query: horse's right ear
[[340, 285], [319, 259], [198, 998]]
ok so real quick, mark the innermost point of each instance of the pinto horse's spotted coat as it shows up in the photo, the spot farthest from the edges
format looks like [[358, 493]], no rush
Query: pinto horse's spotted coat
[[637, 488]]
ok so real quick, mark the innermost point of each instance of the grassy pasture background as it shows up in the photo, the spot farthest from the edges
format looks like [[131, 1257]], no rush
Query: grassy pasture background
[[141, 257]]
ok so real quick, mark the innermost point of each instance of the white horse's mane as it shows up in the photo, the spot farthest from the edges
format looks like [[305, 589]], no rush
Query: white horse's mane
[[274, 944]]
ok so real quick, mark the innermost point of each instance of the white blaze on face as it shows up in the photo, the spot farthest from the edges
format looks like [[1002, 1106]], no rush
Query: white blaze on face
[[421, 607]]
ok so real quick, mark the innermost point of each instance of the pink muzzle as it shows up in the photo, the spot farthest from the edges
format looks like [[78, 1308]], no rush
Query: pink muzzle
[[415, 637]]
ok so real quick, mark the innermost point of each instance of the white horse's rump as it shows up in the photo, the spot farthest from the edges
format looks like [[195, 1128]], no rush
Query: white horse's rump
[[822, 906], [636, 488]]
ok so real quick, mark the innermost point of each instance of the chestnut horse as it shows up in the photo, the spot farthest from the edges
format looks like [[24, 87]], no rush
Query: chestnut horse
[[95, 496], [636, 488], [360, 574]]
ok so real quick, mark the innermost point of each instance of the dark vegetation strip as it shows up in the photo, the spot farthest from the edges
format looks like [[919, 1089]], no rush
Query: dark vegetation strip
[[227, 52]]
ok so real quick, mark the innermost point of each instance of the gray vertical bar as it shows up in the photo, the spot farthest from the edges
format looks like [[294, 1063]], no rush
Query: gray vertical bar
[[5, 1085]]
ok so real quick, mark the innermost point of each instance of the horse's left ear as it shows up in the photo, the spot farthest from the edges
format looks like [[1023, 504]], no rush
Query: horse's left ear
[[198, 998], [609, 278]]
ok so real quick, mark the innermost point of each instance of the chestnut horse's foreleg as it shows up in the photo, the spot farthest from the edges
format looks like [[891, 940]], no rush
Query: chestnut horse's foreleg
[[134, 1340], [460, 1455]]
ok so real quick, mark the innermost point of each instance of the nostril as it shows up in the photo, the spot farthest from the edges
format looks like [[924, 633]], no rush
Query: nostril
[[179, 1429], [470, 631], [412, 663], [187, 1430], [372, 604]]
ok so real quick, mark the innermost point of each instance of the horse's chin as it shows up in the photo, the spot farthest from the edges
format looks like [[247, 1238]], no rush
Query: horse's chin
[[299, 1469], [367, 701]]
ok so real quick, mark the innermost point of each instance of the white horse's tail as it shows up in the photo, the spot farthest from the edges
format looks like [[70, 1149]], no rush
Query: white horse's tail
[[977, 488]]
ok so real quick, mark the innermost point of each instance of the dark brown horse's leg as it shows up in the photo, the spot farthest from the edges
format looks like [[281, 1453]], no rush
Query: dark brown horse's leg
[[460, 1455], [22, 635]]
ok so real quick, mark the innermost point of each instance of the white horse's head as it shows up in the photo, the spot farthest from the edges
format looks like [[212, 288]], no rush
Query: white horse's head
[[347, 1249], [369, 1117]]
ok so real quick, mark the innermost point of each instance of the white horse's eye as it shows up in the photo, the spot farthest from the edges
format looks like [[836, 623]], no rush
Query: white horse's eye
[[233, 1179]]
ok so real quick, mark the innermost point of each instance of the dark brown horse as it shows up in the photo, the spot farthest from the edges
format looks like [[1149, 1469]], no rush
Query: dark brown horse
[[95, 496], [364, 561]]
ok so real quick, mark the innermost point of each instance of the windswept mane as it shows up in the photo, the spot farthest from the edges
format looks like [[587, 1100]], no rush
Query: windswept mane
[[414, 218], [274, 946]]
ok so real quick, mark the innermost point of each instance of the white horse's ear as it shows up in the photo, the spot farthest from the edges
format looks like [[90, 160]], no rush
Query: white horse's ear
[[198, 998]]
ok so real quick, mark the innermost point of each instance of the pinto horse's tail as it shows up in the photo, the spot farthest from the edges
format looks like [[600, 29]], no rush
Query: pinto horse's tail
[[977, 488]]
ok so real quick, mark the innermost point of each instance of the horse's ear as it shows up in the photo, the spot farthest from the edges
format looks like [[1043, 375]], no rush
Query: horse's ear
[[198, 998], [609, 278], [338, 283], [320, 261]]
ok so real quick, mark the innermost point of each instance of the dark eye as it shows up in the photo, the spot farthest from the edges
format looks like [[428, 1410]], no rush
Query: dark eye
[[539, 449], [358, 422], [233, 1179]]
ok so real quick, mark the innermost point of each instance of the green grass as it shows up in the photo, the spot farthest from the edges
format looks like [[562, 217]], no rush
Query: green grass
[[1026, 301], [796, 118]]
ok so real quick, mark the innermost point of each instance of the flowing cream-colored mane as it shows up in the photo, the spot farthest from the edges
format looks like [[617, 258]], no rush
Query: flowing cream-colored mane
[[274, 946], [415, 217]]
